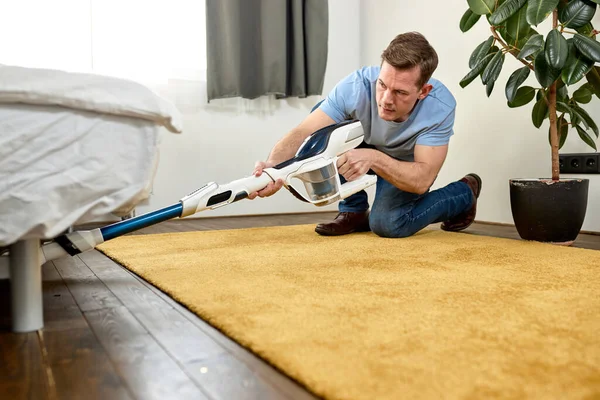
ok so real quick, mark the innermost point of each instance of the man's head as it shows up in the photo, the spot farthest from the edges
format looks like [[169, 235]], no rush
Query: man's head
[[406, 66]]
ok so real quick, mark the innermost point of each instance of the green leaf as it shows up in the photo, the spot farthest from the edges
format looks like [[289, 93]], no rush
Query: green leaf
[[480, 51], [492, 70], [585, 137], [583, 95], [544, 73], [541, 93], [587, 119], [533, 45], [562, 93], [576, 66], [587, 30], [562, 107], [539, 112], [498, 4], [593, 78], [557, 50], [563, 131], [468, 20], [587, 46], [577, 117], [576, 13], [538, 10], [516, 79], [523, 96], [481, 7], [489, 87], [517, 27], [475, 71], [506, 10], [517, 43]]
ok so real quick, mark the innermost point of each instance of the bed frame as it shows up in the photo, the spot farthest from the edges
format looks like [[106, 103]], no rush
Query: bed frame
[[22, 266]]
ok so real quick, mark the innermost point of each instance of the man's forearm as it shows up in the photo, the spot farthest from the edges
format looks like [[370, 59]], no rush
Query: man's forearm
[[286, 148], [413, 177]]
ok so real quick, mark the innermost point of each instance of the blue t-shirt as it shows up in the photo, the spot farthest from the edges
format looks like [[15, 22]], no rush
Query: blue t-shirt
[[430, 123]]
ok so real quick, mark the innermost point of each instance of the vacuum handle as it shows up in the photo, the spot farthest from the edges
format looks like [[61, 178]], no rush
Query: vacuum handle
[[349, 188]]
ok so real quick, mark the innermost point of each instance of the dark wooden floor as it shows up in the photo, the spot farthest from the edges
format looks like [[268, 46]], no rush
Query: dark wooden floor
[[110, 335]]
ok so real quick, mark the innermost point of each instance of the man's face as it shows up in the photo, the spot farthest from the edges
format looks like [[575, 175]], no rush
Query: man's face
[[398, 91]]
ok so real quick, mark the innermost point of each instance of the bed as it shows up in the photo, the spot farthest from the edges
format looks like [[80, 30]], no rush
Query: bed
[[74, 148]]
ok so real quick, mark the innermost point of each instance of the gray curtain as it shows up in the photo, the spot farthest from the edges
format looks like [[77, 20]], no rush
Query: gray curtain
[[266, 47]]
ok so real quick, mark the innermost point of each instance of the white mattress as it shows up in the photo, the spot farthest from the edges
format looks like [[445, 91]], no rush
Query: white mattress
[[73, 148], [61, 166]]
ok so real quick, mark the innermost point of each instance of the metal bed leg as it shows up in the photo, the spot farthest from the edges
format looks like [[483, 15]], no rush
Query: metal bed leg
[[26, 286]]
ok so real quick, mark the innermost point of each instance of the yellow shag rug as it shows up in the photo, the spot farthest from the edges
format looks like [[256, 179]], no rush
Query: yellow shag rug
[[437, 315]]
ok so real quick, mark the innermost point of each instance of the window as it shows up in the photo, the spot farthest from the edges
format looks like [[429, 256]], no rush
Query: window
[[146, 41]]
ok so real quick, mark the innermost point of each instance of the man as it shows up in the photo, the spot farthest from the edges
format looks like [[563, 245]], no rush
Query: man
[[408, 119]]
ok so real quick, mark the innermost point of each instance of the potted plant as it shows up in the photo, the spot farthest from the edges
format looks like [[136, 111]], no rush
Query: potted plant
[[546, 209]]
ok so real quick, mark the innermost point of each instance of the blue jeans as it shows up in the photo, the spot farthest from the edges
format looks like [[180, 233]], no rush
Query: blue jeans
[[396, 213]]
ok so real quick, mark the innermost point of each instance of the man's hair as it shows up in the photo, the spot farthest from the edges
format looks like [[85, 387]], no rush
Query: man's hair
[[409, 50]]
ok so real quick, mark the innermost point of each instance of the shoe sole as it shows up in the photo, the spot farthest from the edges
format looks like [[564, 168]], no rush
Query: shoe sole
[[328, 233]]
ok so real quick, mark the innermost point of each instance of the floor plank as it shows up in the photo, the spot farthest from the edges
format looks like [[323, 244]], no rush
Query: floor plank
[[110, 334], [89, 292], [148, 370], [287, 386], [22, 369], [124, 339], [209, 364], [78, 364]]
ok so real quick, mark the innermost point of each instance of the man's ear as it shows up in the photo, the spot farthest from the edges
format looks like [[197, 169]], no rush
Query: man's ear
[[425, 91]]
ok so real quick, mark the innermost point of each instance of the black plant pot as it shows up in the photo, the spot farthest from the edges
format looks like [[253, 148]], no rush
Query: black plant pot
[[549, 211]]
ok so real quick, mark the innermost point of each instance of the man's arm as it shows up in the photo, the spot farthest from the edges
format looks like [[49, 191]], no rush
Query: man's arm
[[414, 177], [289, 144], [287, 147]]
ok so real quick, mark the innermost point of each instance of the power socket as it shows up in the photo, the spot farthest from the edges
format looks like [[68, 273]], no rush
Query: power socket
[[579, 163]]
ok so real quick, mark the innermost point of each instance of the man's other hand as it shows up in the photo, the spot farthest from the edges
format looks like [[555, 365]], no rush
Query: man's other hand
[[355, 163]]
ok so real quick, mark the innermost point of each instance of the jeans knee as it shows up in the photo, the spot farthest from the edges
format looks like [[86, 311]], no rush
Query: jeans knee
[[388, 226]]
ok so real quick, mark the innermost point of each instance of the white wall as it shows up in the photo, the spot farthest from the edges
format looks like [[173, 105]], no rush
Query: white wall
[[490, 139], [222, 140]]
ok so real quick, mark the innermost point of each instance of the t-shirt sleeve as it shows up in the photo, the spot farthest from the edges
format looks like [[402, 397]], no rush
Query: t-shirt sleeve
[[340, 104], [439, 134]]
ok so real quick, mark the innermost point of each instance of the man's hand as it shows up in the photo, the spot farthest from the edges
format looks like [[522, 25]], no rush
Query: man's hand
[[288, 146], [355, 163], [271, 188]]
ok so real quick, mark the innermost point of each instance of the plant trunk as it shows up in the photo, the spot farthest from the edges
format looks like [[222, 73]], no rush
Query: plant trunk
[[552, 110], [553, 132]]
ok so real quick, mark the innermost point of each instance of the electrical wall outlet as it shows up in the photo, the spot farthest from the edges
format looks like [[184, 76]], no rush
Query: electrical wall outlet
[[579, 163]]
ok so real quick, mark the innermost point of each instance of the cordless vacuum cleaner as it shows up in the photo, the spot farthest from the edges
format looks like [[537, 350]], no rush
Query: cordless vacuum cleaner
[[314, 165]]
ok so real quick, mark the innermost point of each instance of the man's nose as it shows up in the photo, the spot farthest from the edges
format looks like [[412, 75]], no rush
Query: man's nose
[[387, 97]]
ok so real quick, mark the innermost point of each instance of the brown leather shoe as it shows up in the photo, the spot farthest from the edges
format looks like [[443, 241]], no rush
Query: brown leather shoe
[[465, 219], [345, 223]]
